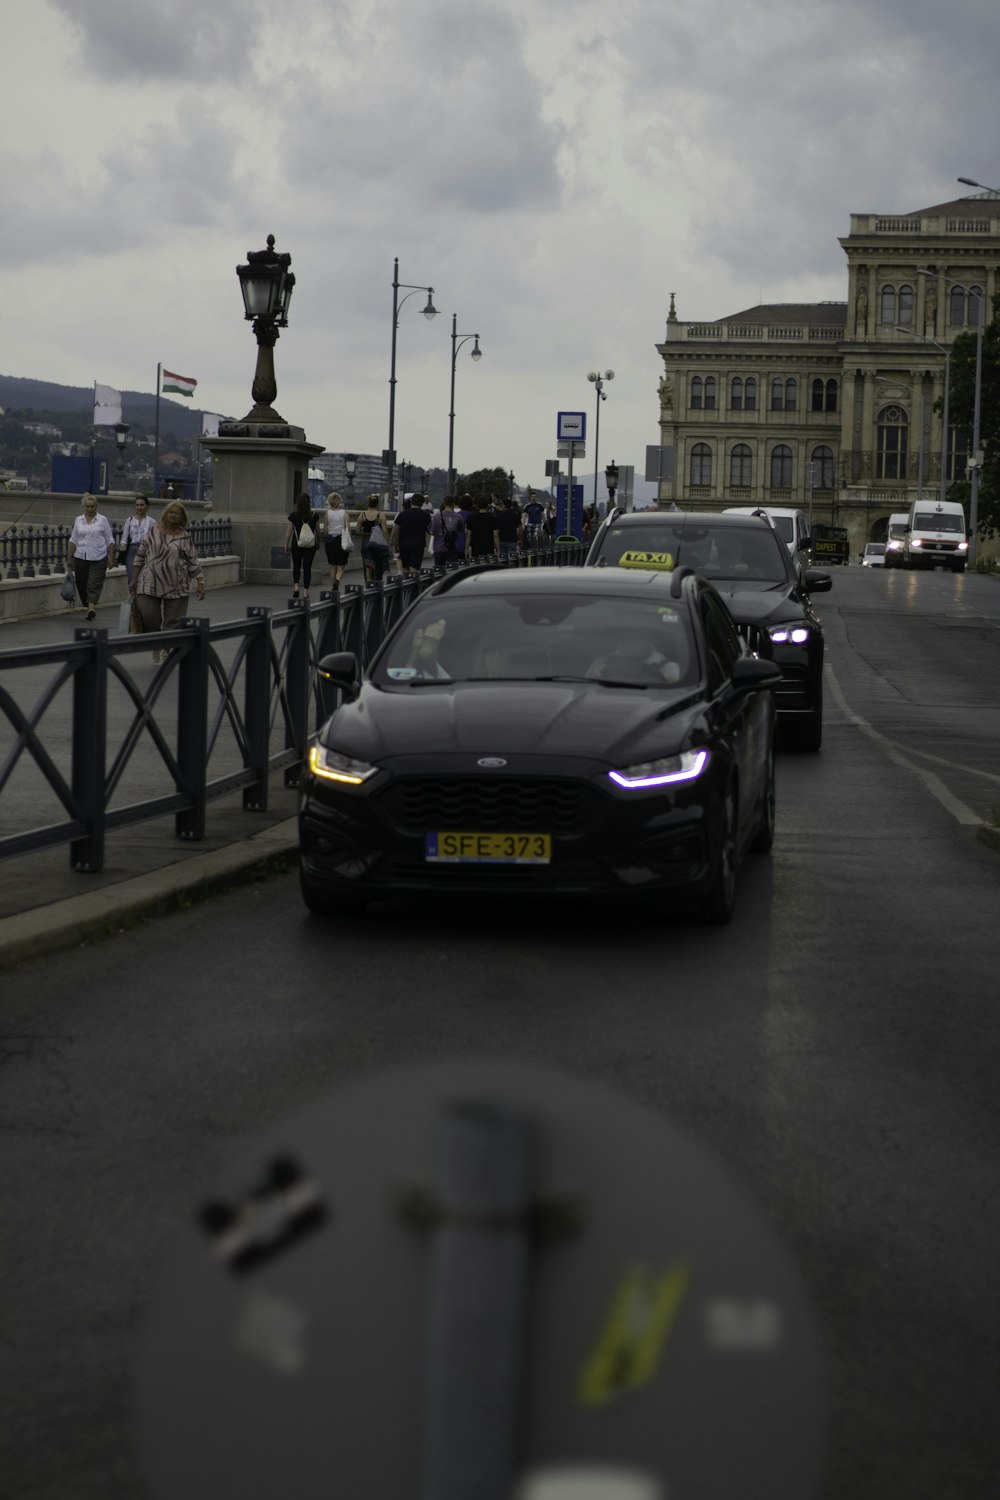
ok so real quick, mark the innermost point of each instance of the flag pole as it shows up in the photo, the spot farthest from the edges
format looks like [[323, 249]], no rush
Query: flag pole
[[156, 433]]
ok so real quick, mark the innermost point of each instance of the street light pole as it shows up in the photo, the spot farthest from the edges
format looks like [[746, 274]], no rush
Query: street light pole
[[457, 340], [430, 311], [598, 380], [926, 339]]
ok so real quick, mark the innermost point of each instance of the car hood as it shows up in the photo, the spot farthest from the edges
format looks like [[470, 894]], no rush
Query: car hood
[[762, 603], [572, 720]]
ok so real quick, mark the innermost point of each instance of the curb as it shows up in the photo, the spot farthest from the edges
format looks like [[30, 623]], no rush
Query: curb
[[80, 919], [987, 834]]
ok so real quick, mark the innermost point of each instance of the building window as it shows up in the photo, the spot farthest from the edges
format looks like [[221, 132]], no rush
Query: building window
[[750, 394], [817, 395], [975, 297], [710, 389], [736, 393], [741, 466], [831, 395], [781, 467], [905, 314], [958, 454], [701, 464], [887, 305], [697, 387], [791, 395], [822, 460], [777, 394], [956, 306], [892, 443]]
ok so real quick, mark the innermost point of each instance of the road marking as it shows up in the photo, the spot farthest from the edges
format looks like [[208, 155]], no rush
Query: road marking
[[933, 784]]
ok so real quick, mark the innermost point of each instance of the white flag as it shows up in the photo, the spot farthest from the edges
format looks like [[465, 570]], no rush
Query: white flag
[[107, 405], [210, 424]]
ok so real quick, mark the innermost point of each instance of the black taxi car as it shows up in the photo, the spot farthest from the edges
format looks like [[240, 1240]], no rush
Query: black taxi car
[[545, 730], [745, 559]]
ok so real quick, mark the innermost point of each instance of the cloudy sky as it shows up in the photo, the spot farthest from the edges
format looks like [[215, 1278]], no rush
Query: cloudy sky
[[555, 170]]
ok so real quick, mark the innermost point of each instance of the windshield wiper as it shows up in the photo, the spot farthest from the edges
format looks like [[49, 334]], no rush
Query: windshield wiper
[[592, 681]]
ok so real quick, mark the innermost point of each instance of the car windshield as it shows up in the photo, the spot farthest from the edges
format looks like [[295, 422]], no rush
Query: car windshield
[[875, 549], [930, 520], [750, 552], [604, 640]]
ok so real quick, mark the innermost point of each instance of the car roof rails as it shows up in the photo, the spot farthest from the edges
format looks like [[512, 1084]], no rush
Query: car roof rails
[[677, 578]]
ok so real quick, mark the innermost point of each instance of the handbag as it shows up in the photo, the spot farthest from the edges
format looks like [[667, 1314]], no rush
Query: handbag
[[67, 589], [346, 540], [125, 616]]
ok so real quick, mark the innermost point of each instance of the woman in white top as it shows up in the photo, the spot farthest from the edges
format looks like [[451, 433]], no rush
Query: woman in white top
[[338, 525], [91, 554], [138, 525]]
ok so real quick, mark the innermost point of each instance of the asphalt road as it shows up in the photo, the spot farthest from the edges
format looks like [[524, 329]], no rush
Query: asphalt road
[[836, 1049]]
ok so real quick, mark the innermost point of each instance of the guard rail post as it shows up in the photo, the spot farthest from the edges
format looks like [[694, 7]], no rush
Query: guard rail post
[[297, 666], [328, 641], [256, 706], [90, 737], [192, 726]]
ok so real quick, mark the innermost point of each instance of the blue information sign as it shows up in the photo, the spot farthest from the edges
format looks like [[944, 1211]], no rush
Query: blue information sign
[[569, 520], [571, 426]]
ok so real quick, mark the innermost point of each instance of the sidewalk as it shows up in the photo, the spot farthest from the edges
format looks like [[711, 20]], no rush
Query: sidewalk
[[44, 904]]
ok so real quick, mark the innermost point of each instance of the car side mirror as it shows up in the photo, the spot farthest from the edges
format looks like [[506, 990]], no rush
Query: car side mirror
[[817, 582], [340, 670], [752, 672]]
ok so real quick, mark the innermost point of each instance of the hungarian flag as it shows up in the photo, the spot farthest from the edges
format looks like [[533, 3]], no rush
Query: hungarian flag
[[180, 385]]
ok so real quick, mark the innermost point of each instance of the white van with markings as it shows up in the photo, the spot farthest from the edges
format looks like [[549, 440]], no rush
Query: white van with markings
[[935, 534]]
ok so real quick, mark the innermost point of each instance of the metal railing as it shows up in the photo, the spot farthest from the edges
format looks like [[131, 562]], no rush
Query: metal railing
[[40, 551], [83, 739]]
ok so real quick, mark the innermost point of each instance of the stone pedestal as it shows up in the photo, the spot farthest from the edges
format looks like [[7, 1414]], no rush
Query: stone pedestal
[[258, 470]]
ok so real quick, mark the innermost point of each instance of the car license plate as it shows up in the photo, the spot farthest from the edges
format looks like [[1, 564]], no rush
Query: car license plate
[[488, 848]]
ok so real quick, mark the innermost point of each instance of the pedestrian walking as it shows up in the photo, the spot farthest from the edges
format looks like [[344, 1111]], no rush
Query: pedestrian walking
[[374, 554], [91, 553], [482, 539], [409, 534], [166, 565], [302, 538], [136, 527], [446, 528], [508, 528], [550, 520], [339, 542]]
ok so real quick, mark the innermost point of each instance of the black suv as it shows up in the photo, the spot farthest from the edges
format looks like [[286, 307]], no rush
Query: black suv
[[745, 559]]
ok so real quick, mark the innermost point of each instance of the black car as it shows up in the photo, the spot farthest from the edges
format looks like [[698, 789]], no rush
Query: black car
[[556, 730], [746, 560]]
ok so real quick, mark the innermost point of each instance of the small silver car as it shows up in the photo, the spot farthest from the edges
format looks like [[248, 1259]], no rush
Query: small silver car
[[873, 555]]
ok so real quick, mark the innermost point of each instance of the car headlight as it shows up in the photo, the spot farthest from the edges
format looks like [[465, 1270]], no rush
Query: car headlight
[[963, 546], [894, 547], [331, 765], [916, 541], [782, 635], [672, 768]]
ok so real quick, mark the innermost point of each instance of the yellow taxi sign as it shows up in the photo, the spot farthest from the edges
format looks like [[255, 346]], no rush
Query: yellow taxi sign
[[650, 560]]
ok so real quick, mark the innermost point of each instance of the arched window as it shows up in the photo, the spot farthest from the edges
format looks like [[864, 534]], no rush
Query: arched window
[[701, 464], [781, 467], [892, 431], [750, 394], [777, 394], [887, 305], [975, 297], [831, 395], [710, 389], [817, 395], [791, 396], [905, 312], [822, 459], [697, 387], [956, 306], [736, 393], [741, 465]]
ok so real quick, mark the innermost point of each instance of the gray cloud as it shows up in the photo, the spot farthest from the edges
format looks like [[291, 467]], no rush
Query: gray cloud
[[171, 39]]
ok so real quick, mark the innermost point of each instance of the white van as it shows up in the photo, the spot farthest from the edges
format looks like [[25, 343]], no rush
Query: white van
[[789, 524], [895, 538], [936, 534]]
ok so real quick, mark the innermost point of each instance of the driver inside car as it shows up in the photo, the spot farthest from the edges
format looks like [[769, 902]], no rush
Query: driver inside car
[[635, 657]]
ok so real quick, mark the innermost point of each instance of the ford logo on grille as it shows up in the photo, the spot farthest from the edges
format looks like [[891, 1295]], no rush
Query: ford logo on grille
[[491, 762]]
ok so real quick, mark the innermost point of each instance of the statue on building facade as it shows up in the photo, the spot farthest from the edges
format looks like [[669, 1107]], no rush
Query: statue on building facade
[[861, 311], [666, 392]]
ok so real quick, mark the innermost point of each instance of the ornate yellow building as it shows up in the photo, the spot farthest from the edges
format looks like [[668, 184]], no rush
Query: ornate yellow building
[[833, 401]]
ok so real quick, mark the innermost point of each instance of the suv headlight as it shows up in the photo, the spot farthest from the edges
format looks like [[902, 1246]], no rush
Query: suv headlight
[[783, 635], [331, 765], [672, 768]]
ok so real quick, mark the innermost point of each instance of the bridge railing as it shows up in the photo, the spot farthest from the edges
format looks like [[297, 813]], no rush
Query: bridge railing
[[91, 743], [40, 551]]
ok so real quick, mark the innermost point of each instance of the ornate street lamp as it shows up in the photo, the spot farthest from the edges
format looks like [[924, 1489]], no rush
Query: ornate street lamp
[[267, 285], [122, 430], [430, 312], [350, 468], [457, 340], [611, 477], [597, 380]]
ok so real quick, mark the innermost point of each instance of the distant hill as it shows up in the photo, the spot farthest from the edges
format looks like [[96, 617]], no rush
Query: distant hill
[[36, 396]]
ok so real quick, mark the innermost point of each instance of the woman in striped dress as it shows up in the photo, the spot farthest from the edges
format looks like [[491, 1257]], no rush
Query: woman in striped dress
[[166, 565]]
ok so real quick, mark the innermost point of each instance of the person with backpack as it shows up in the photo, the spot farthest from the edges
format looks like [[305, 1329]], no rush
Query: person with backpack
[[446, 528], [302, 537], [376, 554]]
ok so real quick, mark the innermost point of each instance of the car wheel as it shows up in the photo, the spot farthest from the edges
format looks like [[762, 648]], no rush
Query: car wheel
[[719, 904], [764, 837]]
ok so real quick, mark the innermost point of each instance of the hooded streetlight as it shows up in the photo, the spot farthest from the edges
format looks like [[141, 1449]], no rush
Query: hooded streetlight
[[430, 312], [457, 340]]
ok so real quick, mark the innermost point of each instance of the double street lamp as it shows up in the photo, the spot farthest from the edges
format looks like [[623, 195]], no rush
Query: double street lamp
[[457, 340], [430, 312], [597, 380]]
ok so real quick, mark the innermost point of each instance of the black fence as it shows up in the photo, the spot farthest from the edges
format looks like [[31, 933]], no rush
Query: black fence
[[40, 551], [91, 742]]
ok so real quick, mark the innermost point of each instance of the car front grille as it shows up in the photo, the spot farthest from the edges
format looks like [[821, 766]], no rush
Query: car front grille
[[482, 804], [757, 639]]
